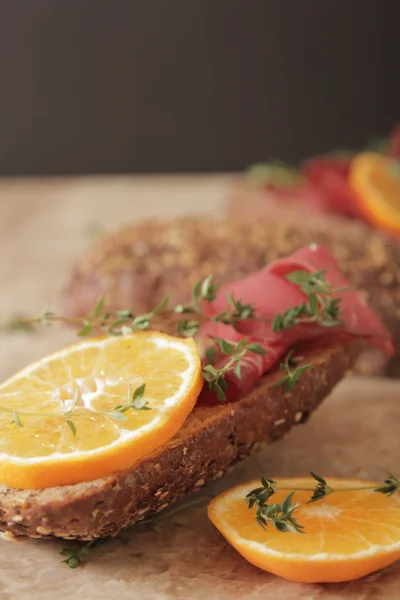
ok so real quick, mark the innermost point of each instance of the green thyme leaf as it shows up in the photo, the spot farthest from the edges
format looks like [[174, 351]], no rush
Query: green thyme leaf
[[313, 302], [226, 347], [241, 345], [220, 393], [140, 404], [328, 323], [207, 377], [188, 328], [210, 369], [72, 561], [86, 329], [180, 309], [141, 322], [16, 419], [114, 328], [274, 173], [122, 314], [238, 370], [240, 311], [256, 348], [126, 330], [135, 402], [321, 490], [205, 287], [138, 393], [161, 307], [71, 426], [392, 485], [211, 354], [196, 291], [117, 415], [318, 478], [205, 290], [98, 309], [299, 277]]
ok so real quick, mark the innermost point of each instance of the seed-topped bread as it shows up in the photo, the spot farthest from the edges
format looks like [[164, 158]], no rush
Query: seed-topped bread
[[212, 439], [137, 265]]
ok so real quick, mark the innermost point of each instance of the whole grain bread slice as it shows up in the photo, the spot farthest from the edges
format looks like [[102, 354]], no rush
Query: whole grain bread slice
[[212, 440]]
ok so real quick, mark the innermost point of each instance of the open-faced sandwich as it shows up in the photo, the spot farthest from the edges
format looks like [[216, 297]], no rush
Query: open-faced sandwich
[[359, 186], [110, 431]]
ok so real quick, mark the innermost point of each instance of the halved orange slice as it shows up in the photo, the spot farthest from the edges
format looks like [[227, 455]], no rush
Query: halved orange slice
[[375, 179], [347, 534], [95, 376]]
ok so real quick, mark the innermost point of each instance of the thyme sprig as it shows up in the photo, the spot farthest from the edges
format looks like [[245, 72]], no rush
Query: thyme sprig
[[293, 372], [320, 307], [216, 377], [185, 320], [281, 516], [135, 401], [321, 489]]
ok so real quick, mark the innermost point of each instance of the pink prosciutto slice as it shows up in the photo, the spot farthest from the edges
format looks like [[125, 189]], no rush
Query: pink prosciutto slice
[[270, 293]]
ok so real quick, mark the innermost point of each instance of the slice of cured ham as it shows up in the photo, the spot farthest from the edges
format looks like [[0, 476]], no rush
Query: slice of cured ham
[[271, 292]]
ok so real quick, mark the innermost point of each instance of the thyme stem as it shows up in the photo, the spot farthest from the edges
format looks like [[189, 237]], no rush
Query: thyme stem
[[281, 517], [347, 489], [135, 401], [185, 320]]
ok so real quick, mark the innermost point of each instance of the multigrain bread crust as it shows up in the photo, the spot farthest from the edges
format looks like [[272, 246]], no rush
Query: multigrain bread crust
[[138, 265], [212, 440]]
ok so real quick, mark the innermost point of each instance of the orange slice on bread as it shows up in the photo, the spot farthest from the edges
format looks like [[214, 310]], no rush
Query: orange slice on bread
[[375, 179], [347, 534], [84, 384]]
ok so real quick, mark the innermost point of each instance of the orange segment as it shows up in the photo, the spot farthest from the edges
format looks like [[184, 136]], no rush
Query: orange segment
[[375, 180], [347, 535], [98, 373]]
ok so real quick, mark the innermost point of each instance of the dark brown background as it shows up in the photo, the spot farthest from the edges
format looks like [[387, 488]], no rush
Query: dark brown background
[[185, 85]]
